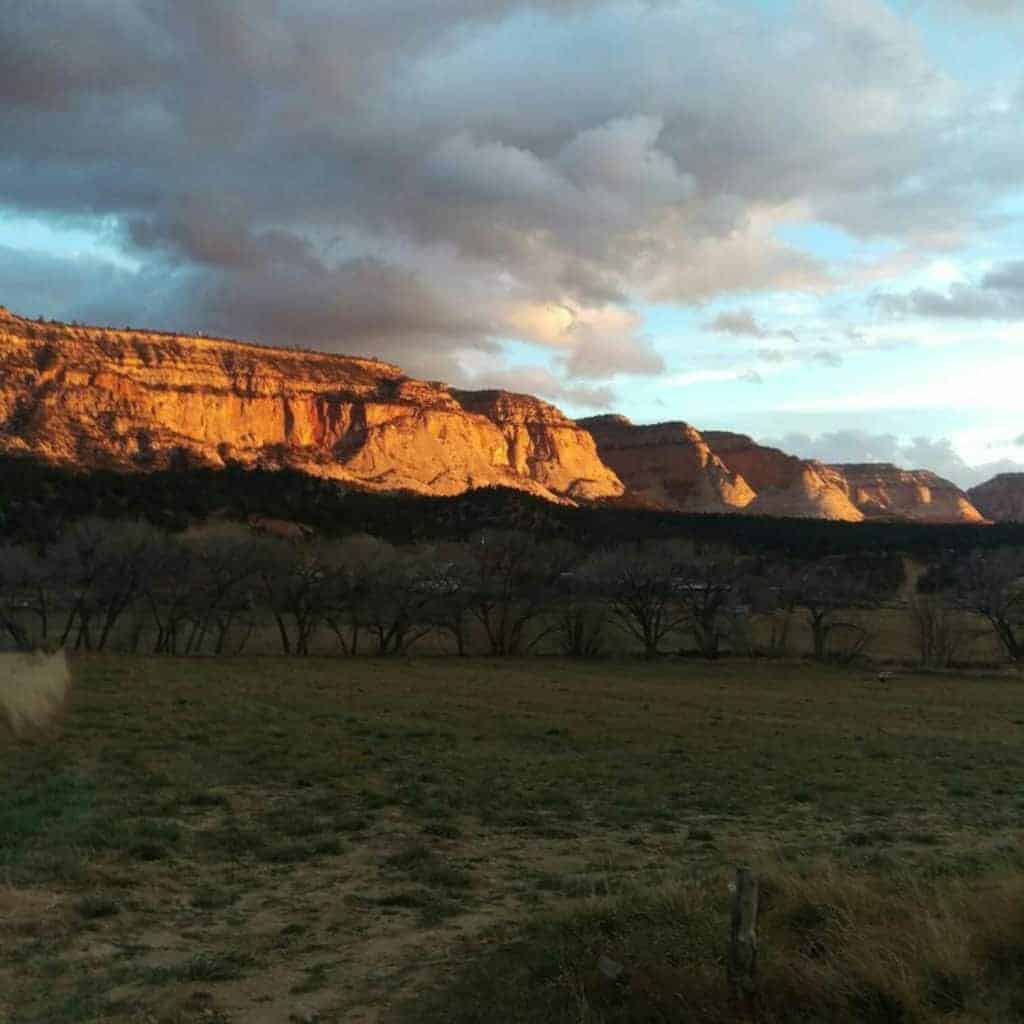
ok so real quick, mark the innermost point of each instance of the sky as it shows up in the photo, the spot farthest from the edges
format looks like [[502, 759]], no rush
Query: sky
[[799, 219]]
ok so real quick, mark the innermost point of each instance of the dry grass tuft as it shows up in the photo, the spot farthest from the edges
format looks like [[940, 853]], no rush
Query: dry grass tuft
[[34, 691], [835, 946]]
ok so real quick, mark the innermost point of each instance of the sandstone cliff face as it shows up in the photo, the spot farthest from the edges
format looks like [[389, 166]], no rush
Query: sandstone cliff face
[[1000, 499], [882, 490], [668, 465], [674, 466], [131, 400], [137, 400], [785, 485]]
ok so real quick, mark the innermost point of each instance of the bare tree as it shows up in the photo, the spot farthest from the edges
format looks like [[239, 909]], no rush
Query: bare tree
[[765, 629], [294, 579], [395, 598], [351, 568], [581, 628], [991, 584], [939, 630], [640, 584], [103, 567], [513, 582], [579, 612], [830, 592], [709, 591], [225, 573], [449, 576], [169, 591], [19, 571]]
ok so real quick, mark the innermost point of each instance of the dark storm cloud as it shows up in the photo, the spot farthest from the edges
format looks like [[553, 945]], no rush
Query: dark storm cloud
[[57, 53], [999, 295], [421, 178], [219, 235], [361, 302]]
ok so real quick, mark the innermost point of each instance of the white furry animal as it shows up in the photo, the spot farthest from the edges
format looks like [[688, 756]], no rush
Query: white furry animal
[[34, 689]]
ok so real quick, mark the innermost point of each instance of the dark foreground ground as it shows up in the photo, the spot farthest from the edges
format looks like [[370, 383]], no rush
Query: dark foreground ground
[[442, 840]]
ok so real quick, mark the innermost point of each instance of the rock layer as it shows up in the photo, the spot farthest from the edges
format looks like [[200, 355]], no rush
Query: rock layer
[[668, 465], [675, 466], [884, 491], [1000, 499], [785, 485], [90, 397]]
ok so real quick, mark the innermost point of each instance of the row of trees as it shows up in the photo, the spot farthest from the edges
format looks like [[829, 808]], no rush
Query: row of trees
[[39, 501], [131, 586]]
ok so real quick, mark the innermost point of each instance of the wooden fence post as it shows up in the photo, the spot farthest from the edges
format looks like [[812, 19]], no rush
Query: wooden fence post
[[741, 959]]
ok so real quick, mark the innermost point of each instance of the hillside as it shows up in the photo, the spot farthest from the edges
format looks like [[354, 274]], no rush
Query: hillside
[[882, 490], [668, 465], [675, 466], [91, 398], [1001, 498]]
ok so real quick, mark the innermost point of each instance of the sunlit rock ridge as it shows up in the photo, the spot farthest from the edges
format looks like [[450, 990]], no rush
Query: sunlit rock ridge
[[673, 465], [135, 400], [1001, 498]]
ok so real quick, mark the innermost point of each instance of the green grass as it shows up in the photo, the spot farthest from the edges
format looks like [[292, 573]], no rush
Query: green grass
[[201, 809]]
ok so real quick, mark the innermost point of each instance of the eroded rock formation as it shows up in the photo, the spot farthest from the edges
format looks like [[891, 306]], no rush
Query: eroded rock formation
[[134, 400], [785, 485], [668, 465], [1000, 499], [884, 491], [91, 397], [675, 466]]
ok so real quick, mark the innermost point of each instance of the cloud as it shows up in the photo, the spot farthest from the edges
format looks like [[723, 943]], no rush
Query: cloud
[[740, 322], [826, 357], [855, 446], [424, 179], [999, 295], [1007, 278], [601, 350], [539, 380], [936, 454], [990, 7]]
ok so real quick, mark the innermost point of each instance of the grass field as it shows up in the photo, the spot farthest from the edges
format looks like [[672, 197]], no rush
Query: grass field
[[267, 840]]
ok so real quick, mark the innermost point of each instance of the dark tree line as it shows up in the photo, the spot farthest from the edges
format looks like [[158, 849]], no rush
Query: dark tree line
[[38, 502], [133, 586], [97, 584]]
